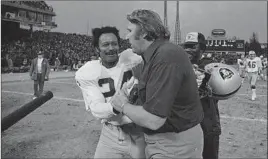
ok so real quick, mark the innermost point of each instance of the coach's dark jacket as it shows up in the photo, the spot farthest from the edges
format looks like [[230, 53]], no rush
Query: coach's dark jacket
[[45, 69]]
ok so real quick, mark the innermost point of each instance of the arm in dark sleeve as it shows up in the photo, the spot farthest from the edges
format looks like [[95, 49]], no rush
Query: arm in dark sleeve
[[162, 88], [31, 68]]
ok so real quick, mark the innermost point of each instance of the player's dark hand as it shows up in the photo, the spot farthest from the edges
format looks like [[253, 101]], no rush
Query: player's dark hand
[[133, 95]]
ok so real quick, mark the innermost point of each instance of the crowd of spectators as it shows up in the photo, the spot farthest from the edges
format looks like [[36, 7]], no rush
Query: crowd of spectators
[[35, 4], [72, 50], [64, 51]]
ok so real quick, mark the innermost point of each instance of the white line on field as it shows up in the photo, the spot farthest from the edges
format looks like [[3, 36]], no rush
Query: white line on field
[[60, 98], [62, 82], [13, 83], [258, 95], [79, 100]]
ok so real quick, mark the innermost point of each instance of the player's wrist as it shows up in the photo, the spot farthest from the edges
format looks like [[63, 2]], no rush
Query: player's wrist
[[123, 107]]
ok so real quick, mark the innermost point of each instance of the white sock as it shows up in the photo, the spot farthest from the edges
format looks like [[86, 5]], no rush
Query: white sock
[[254, 93]]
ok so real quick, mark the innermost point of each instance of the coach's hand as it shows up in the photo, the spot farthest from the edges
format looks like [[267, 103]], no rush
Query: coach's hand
[[46, 78], [119, 100]]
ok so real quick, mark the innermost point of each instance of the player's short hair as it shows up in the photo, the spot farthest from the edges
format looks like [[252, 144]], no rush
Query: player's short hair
[[150, 23], [97, 32]]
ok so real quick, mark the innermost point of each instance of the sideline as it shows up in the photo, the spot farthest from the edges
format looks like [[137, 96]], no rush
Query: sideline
[[80, 100]]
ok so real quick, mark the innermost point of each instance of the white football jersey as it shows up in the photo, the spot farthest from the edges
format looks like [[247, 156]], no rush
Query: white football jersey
[[253, 65], [264, 63], [241, 63], [99, 84]]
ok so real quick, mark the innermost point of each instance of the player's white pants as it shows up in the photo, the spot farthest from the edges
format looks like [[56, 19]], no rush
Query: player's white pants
[[252, 76], [264, 73], [121, 142]]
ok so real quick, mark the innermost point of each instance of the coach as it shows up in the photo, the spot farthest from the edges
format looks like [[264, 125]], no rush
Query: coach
[[39, 72], [169, 109]]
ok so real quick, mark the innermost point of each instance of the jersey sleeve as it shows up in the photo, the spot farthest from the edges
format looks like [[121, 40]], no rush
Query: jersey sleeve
[[238, 61], [94, 99], [259, 63], [127, 57], [246, 65]]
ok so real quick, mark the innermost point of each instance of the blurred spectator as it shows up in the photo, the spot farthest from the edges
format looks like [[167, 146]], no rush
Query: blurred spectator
[[75, 65], [25, 65], [222, 60], [39, 73], [9, 64], [57, 64], [4, 62], [80, 64]]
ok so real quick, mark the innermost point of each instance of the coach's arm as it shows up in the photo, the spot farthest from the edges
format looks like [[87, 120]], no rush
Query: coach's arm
[[160, 95]]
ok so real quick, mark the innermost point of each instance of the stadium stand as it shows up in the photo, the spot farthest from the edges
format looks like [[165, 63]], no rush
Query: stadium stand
[[69, 48]]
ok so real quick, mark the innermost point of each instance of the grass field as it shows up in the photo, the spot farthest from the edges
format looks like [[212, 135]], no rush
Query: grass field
[[61, 128]]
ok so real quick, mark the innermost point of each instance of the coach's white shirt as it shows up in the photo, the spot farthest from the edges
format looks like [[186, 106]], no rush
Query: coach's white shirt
[[39, 65]]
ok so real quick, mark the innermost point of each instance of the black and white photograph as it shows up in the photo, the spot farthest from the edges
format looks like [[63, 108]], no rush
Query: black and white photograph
[[134, 79]]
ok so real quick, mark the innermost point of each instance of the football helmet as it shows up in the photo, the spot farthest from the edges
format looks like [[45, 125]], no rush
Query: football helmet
[[224, 80]]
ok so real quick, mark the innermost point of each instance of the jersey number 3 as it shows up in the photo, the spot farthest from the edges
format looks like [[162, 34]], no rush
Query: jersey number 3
[[127, 75]]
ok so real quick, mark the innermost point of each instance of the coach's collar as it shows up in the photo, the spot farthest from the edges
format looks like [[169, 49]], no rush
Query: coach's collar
[[151, 49]]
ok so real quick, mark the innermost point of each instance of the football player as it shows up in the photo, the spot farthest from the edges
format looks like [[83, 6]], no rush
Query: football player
[[264, 68], [258, 59], [99, 80], [195, 46], [241, 67], [253, 68]]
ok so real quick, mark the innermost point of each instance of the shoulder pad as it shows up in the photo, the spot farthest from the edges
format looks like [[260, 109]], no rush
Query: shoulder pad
[[89, 71], [128, 57]]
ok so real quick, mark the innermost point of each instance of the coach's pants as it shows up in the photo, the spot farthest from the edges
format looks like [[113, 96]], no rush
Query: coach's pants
[[39, 82], [186, 144], [121, 142]]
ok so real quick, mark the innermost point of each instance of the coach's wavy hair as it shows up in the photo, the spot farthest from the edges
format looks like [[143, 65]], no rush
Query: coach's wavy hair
[[150, 24], [97, 32]]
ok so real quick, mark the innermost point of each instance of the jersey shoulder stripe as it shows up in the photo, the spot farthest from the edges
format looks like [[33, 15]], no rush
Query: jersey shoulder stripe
[[128, 58], [90, 71]]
